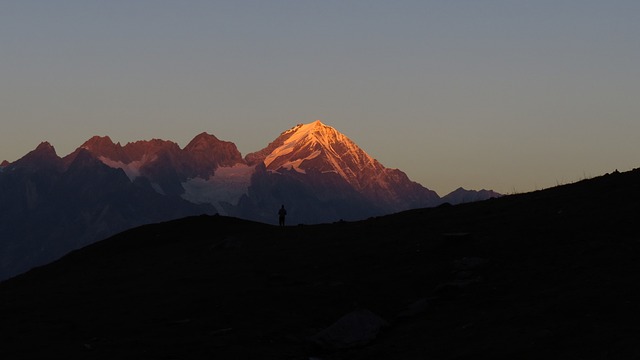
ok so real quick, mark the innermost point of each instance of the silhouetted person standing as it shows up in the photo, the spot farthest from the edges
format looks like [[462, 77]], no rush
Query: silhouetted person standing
[[281, 215]]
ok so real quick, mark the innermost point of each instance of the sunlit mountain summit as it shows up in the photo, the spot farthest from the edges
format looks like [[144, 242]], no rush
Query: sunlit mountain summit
[[328, 158], [321, 148], [318, 147]]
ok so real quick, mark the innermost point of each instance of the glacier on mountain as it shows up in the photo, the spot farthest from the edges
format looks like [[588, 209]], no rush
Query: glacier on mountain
[[225, 187], [132, 169], [295, 164]]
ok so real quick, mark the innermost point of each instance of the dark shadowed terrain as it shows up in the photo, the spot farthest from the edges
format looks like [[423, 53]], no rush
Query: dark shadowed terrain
[[549, 274]]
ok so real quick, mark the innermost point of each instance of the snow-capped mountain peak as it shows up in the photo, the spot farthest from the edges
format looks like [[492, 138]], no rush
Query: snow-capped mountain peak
[[319, 147], [319, 154]]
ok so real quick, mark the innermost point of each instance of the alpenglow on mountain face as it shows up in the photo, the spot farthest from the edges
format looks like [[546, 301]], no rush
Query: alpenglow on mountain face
[[326, 157], [318, 147], [50, 205]]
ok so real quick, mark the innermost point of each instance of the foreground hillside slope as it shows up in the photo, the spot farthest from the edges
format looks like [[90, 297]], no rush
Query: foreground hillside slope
[[548, 274]]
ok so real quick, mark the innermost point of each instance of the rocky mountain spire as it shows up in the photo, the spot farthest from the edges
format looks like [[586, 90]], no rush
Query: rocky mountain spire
[[44, 157]]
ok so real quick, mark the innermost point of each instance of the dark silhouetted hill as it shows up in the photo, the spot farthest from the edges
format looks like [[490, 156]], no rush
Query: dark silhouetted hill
[[461, 195], [548, 274]]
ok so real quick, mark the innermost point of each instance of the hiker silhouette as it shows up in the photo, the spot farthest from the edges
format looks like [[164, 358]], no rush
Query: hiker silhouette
[[282, 213]]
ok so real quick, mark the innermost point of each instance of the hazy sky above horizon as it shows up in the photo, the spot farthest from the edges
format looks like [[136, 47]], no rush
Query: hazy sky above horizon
[[506, 95]]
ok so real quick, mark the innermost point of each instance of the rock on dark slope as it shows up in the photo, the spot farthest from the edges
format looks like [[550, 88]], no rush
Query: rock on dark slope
[[548, 274]]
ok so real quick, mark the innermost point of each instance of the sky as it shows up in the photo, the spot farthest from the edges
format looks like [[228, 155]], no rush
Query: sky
[[510, 95]]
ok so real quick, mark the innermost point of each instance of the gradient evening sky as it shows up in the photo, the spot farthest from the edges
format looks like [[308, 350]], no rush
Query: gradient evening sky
[[506, 95]]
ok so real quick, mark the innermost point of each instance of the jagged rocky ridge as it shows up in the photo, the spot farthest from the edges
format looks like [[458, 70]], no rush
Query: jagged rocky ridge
[[318, 172]]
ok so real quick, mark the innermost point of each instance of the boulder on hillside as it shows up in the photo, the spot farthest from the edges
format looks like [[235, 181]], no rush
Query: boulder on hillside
[[357, 328]]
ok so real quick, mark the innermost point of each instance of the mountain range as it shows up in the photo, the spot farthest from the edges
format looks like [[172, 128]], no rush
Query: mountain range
[[551, 274], [50, 205]]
